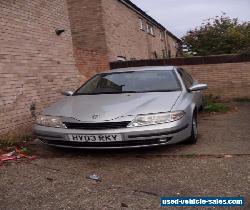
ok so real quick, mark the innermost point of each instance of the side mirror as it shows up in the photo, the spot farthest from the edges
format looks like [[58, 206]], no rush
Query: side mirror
[[198, 87], [67, 93]]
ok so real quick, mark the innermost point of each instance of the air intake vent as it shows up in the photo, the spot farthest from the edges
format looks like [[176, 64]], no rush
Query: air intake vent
[[96, 126]]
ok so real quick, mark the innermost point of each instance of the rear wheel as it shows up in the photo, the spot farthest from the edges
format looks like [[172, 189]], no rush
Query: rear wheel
[[201, 108], [194, 134]]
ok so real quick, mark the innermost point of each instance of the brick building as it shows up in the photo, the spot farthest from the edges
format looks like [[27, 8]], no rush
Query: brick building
[[111, 30], [36, 63]]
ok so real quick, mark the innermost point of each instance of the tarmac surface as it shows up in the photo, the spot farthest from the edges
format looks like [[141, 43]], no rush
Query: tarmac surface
[[219, 165]]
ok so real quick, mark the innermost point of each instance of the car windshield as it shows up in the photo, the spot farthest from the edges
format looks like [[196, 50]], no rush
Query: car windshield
[[131, 82]]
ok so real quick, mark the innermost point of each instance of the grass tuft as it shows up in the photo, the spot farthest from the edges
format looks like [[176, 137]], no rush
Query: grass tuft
[[216, 107], [13, 140], [242, 100], [211, 104]]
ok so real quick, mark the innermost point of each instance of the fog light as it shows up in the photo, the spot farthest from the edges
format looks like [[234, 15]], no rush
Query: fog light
[[163, 140]]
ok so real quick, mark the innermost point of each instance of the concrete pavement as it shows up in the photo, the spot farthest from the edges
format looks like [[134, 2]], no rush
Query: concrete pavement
[[219, 165]]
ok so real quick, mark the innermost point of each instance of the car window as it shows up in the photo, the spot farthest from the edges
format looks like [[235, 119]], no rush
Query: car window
[[187, 78], [131, 82]]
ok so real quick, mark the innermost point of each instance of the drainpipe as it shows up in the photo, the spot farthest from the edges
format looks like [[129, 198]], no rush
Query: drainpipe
[[167, 45], [149, 45]]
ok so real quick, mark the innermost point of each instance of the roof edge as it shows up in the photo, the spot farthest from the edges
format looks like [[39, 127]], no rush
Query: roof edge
[[131, 5]]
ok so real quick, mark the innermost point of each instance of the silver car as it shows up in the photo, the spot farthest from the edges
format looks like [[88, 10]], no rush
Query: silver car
[[125, 108]]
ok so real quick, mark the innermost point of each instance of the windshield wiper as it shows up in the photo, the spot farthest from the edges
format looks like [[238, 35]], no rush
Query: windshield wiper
[[99, 93], [129, 92], [162, 91], [125, 92]]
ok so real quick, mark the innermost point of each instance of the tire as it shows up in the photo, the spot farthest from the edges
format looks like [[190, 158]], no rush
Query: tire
[[201, 109], [194, 134]]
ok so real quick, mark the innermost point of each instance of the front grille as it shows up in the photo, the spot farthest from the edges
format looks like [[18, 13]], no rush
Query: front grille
[[106, 144], [96, 126]]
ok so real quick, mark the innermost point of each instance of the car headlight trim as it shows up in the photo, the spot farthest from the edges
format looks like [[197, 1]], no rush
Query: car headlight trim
[[50, 121], [155, 119]]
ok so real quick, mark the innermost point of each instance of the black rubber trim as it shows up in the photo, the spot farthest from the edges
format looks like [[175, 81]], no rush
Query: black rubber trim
[[159, 134], [97, 126], [106, 144]]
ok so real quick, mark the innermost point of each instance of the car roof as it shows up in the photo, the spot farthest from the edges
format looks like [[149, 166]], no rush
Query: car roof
[[144, 68]]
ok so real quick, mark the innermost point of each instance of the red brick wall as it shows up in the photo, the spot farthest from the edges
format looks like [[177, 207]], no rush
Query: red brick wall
[[35, 63], [227, 76], [102, 30], [124, 37], [88, 35], [227, 80], [172, 46]]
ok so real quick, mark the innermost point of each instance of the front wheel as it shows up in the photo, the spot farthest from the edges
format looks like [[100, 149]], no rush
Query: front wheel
[[194, 134]]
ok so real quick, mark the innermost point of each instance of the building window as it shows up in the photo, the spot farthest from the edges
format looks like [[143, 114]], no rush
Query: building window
[[162, 35], [147, 28], [121, 58], [164, 54], [150, 29], [155, 56], [141, 24], [169, 54]]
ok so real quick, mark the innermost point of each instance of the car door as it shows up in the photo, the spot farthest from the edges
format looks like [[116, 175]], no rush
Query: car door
[[188, 82]]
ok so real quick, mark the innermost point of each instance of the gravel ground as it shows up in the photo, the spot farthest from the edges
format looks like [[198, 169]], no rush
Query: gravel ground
[[219, 165]]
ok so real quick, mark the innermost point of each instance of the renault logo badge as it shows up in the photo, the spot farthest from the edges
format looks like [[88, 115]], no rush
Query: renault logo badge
[[95, 116]]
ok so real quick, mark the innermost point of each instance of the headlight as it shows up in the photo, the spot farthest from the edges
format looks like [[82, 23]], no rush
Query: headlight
[[154, 119], [50, 121]]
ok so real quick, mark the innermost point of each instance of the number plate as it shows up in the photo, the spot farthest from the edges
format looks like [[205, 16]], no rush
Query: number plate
[[95, 138]]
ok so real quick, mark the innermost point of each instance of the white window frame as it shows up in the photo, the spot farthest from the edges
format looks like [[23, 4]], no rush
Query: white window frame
[[161, 35], [152, 32], [141, 24], [148, 28], [121, 58]]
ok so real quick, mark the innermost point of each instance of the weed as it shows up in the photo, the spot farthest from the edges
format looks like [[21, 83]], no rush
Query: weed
[[211, 104], [16, 139], [216, 107], [242, 100], [189, 155]]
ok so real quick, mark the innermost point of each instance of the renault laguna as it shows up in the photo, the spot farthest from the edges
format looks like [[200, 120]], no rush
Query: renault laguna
[[125, 108]]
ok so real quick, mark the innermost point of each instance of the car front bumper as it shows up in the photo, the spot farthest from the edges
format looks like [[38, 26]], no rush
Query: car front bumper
[[138, 137]]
